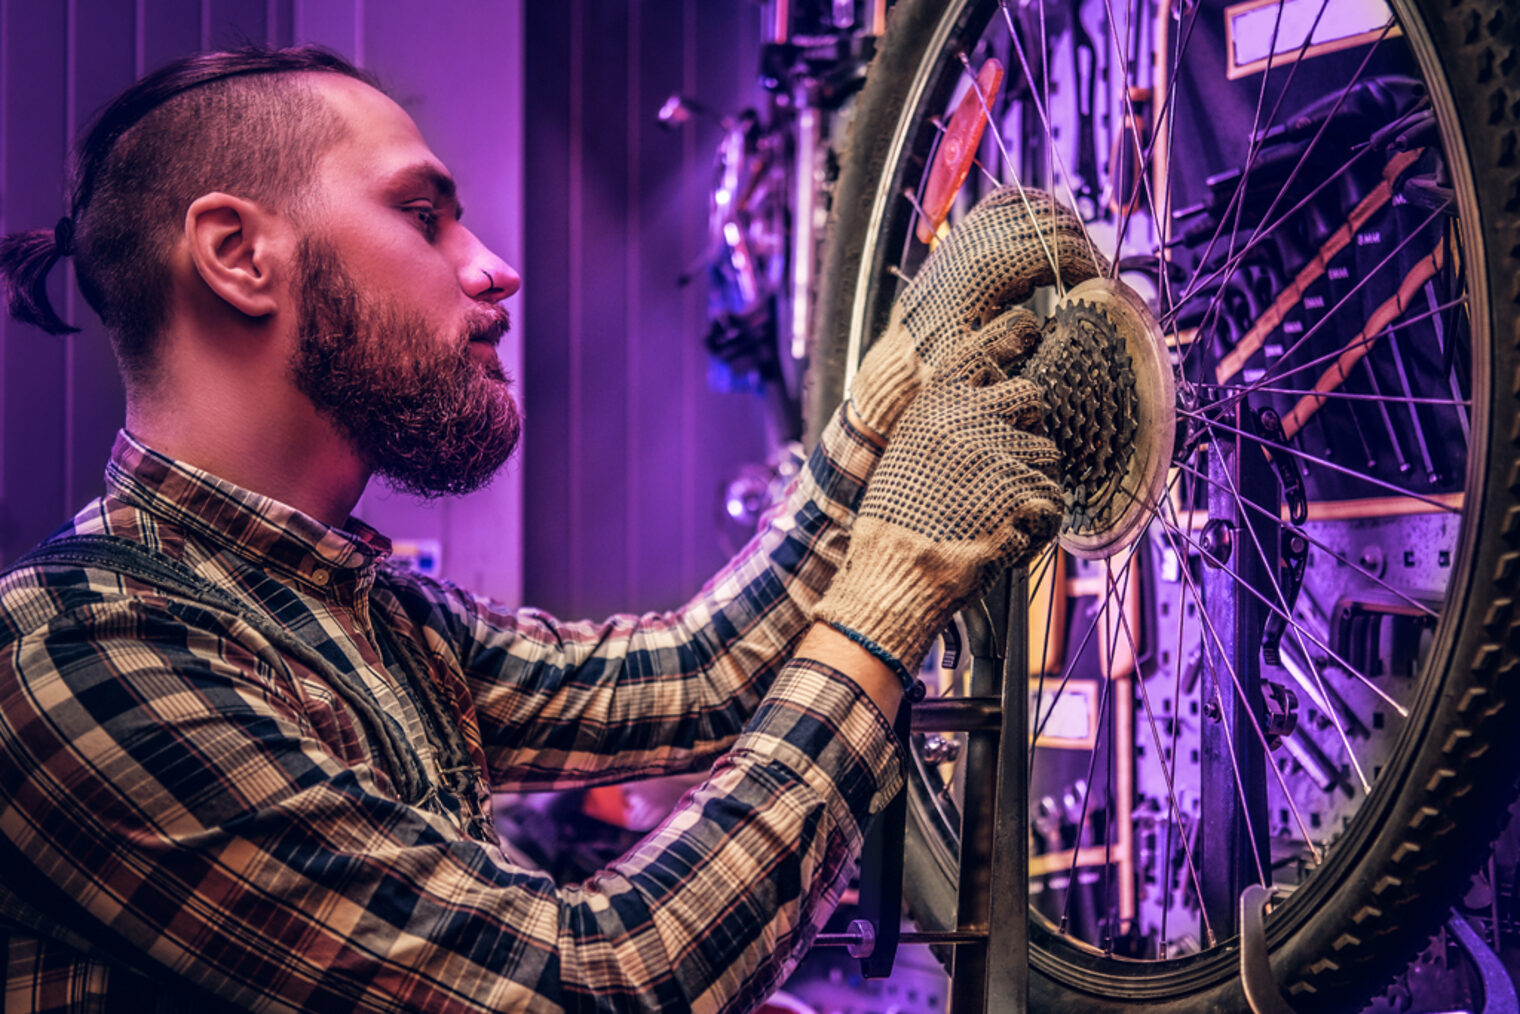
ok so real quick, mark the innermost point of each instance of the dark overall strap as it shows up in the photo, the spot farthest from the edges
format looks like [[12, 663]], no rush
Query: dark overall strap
[[132, 559]]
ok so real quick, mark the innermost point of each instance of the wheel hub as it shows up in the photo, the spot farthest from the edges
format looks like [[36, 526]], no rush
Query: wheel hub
[[1111, 410]]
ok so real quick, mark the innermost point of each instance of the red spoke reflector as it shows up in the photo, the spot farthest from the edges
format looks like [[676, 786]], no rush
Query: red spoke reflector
[[957, 150]]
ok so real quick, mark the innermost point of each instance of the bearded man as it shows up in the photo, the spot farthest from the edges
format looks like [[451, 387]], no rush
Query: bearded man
[[245, 763]]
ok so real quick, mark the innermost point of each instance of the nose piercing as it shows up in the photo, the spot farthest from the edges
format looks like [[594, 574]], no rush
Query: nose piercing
[[490, 281]]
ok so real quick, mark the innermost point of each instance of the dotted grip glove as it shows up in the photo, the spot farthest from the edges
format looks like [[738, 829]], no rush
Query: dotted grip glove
[[994, 258], [963, 490]]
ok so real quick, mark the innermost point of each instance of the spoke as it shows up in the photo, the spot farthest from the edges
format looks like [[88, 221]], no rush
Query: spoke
[[1110, 631], [1115, 820], [1116, 816], [1183, 564], [939, 125], [1263, 231], [1045, 565], [1134, 130], [1353, 396], [1051, 149], [912, 199], [1143, 159], [1330, 713], [1067, 671], [1066, 675], [1303, 160], [1329, 652], [1258, 135], [1238, 391], [1241, 503], [1326, 549], [1040, 109], [1208, 624], [1072, 656], [1390, 310], [1013, 170], [1416, 425], [1168, 771], [1260, 736], [1436, 502], [1260, 733], [1448, 353], [1236, 359], [1076, 852], [1050, 612], [1290, 296], [1163, 221]]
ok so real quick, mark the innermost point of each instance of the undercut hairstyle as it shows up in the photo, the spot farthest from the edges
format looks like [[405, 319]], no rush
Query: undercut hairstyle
[[246, 122]]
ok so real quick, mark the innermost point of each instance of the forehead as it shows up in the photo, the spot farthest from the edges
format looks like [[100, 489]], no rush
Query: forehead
[[379, 138]]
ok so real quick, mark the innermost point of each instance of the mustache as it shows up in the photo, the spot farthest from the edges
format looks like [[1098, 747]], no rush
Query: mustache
[[489, 326]]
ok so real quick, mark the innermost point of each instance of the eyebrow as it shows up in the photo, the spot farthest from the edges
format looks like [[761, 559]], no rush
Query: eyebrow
[[429, 176]]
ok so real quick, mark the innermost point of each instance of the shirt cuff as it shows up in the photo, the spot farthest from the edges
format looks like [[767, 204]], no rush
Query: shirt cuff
[[821, 727], [841, 464]]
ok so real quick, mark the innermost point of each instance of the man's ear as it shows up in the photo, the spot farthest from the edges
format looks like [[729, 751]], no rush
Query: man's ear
[[235, 245]]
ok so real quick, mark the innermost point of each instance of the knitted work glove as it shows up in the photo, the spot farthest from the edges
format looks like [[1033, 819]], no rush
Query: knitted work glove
[[963, 491], [994, 258]]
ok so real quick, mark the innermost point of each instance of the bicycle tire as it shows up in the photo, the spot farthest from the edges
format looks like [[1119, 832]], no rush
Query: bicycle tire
[[1443, 794]]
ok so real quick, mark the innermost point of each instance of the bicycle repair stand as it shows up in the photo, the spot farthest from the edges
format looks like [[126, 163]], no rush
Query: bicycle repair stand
[[990, 968]]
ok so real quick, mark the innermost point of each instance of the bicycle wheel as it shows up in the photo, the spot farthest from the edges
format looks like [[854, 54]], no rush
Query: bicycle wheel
[[1294, 671]]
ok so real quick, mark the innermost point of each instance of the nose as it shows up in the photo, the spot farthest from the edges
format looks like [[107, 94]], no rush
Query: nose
[[486, 277]]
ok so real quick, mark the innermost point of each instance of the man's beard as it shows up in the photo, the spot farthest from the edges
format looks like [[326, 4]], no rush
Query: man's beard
[[422, 412]]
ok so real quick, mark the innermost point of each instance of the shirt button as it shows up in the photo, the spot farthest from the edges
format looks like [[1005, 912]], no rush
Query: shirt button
[[320, 576]]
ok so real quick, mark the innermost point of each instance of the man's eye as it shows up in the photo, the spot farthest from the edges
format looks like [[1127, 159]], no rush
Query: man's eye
[[427, 217]]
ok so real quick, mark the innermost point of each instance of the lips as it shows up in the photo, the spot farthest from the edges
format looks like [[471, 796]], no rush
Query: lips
[[489, 330]]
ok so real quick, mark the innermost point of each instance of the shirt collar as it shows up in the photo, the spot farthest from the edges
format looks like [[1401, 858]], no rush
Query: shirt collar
[[259, 528]]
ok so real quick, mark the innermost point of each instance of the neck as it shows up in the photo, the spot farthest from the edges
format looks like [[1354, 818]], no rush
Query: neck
[[254, 429]]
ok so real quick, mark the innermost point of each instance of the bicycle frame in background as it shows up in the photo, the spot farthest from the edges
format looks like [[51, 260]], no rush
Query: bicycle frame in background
[[766, 216]]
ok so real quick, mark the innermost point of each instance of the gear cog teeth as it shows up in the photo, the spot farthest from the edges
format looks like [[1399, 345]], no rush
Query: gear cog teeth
[[1088, 381]]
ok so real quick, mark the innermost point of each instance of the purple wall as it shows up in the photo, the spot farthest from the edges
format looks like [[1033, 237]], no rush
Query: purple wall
[[625, 443]]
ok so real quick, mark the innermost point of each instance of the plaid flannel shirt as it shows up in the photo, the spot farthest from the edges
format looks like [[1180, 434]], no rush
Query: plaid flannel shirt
[[281, 802]]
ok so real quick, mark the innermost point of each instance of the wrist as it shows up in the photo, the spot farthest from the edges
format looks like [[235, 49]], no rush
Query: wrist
[[838, 650], [905, 679], [893, 595]]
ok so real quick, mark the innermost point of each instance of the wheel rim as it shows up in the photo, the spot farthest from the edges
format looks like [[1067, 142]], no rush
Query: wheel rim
[[1375, 763]]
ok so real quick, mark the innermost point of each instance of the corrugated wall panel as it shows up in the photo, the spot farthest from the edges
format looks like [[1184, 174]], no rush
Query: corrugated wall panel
[[627, 446], [35, 417]]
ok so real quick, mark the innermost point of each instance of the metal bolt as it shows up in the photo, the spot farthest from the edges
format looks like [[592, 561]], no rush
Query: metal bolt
[[1216, 540], [939, 749], [865, 938]]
